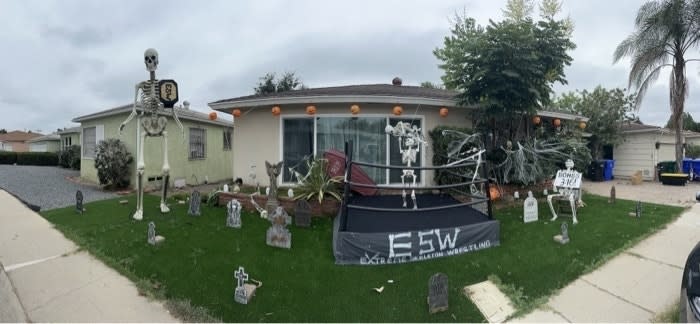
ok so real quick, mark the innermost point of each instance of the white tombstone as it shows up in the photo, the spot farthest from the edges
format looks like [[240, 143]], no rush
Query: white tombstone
[[233, 214], [267, 191], [516, 195], [225, 188], [530, 213], [290, 193]]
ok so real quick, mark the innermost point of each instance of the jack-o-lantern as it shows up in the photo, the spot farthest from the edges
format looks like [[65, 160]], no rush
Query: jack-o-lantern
[[398, 110], [582, 125], [310, 110], [536, 120], [444, 111], [212, 115], [494, 193], [354, 109], [556, 122], [236, 113], [276, 110]]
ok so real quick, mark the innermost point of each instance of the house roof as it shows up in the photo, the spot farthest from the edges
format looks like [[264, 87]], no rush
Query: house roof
[[185, 114], [18, 136], [641, 128], [71, 130], [50, 137]]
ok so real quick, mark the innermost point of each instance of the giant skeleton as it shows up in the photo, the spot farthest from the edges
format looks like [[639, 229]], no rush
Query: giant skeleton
[[153, 125], [410, 139]]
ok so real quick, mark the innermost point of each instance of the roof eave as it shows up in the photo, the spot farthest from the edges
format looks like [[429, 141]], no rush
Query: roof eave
[[125, 109], [257, 102], [561, 115]]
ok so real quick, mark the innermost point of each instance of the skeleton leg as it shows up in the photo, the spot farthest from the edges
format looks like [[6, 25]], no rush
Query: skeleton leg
[[551, 207], [403, 186], [413, 191], [572, 202], [140, 167], [166, 174]]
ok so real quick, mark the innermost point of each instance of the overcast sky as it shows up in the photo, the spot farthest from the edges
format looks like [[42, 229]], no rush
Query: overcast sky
[[63, 59]]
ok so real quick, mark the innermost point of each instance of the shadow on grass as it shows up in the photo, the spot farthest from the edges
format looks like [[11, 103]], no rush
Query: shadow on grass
[[195, 264]]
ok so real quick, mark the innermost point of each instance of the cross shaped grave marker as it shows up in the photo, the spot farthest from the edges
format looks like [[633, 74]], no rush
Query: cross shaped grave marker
[[241, 276]]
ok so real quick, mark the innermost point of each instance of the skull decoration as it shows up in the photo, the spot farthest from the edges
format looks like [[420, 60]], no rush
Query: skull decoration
[[150, 57]]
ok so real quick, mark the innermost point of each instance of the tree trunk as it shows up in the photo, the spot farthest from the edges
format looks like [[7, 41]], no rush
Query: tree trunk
[[678, 91]]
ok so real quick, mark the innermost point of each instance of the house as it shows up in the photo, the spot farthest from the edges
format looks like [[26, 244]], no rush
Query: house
[[16, 141], [290, 125], [46, 143], [69, 136], [643, 147], [201, 154]]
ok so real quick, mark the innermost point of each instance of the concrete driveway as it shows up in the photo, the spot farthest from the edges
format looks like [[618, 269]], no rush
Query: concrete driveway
[[47, 187], [653, 192]]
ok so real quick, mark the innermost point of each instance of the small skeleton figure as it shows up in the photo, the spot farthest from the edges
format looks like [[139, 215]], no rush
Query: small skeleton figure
[[153, 126], [570, 192], [410, 139]]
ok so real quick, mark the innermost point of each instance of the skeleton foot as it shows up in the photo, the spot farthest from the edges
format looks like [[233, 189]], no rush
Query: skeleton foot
[[138, 215], [164, 208]]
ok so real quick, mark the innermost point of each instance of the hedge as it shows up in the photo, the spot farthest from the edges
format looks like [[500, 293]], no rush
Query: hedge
[[37, 158], [8, 157]]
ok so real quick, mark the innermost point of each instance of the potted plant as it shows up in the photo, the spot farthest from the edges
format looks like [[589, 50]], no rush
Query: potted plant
[[317, 186]]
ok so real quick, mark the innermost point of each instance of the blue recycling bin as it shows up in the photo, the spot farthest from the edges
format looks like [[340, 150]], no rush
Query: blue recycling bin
[[608, 169], [692, 167]]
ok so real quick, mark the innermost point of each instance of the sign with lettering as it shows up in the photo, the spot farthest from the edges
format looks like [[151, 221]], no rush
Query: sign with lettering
[[530, 213], [168, 93], [568, 179]]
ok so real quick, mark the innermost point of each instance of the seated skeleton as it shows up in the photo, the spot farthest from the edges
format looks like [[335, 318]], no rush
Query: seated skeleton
[[568, 182]]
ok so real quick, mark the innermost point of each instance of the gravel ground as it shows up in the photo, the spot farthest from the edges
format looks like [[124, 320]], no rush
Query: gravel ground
[[647, 191], [47, 187]]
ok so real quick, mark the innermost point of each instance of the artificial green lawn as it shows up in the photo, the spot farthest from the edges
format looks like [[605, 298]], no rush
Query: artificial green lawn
[[198, 258]]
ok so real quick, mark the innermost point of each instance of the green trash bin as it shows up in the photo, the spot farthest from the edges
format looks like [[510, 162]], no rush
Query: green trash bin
[[665, 167]]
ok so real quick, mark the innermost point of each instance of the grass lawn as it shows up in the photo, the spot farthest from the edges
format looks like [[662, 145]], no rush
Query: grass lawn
[[197, 260]]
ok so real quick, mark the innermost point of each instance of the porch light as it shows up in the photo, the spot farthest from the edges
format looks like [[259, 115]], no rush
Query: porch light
[[212, 115], [536, 120], [556, 122], [398, 110], [310, 110], [236, 113], [276, 110], [444, 111], [355, 109]]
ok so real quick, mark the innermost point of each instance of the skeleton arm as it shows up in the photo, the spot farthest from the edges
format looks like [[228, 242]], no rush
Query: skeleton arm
[[177, 120], [133, 111]]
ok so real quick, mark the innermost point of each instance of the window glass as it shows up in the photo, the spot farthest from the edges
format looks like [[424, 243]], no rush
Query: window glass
[[198, 141], [298, 143], [89, 147]]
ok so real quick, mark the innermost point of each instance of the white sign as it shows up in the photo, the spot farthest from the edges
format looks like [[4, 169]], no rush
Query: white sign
[[568, 179], [530, 208]]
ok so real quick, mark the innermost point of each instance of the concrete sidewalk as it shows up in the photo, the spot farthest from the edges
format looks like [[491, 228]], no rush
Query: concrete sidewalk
[[632, 287], [51, 281]]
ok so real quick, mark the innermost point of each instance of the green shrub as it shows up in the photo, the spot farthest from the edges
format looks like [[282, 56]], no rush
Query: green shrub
[[8, 157], [692, 151], [70, 157], [316, 183], [37, 158], [112, 163]]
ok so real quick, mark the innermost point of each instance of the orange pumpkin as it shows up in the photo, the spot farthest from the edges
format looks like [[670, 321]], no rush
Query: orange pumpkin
[[355, 109], [236, 113], [444, 111], [276, 110], [582, 125], [536, 120], [310, 110], [212, 115], [398, 110], [556, 122], [494, 193]]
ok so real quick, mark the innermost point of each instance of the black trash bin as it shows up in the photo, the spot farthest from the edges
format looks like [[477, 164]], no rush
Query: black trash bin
[[665, 167], [596, 170]]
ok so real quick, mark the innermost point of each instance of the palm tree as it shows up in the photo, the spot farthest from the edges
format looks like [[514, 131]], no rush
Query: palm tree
[[664, 31]]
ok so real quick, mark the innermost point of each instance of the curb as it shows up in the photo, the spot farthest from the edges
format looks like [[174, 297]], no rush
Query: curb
[[31, 206], [11, 309]]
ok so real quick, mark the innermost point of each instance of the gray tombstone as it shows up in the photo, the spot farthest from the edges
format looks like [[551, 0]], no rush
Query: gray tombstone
[[79, 202], [302, 213], [273, 171], [195, 201], [154, 239], [563, 238], [612, 195], [233, 214], [437, 293], [530, 213], [638, 209], [278, 235], [241, 294]]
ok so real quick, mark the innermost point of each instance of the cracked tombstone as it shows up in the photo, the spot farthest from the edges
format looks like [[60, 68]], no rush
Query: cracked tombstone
[[195, 202], [437, 293], [233, 214], [563, 238], [154, 239], [302, 213], [530, 213], [79, 202], [278, 235]]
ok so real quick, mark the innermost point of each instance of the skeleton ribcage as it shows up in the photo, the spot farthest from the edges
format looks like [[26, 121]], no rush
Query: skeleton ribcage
[[149, 96]]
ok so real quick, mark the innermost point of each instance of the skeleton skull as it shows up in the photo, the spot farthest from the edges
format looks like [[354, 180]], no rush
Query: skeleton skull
[[569, 164], [150, 57]]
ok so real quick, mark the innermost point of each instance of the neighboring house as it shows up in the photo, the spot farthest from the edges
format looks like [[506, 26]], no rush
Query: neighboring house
[[16, 141], [260, 136], [70, 136], [202, 153], [643, 147], [46, 143]]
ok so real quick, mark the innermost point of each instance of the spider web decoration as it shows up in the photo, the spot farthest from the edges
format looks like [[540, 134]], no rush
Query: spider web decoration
[[467, 149], [526, 162]]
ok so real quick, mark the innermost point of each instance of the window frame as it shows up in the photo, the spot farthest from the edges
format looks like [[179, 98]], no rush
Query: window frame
[[203, 156], [84, 146]]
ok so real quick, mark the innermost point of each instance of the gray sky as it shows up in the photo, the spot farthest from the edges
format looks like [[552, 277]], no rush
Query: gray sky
[[63, 59]]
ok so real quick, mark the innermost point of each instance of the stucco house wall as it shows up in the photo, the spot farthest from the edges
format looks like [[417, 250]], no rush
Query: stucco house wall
[[44, 146], [70, 137]]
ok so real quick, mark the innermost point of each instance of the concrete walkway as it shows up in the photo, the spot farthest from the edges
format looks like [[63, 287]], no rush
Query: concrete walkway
[[639, 283], [46, 279]]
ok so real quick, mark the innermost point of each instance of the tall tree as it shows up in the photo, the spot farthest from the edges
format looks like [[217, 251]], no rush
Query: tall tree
[[518, 10], [269, 83], [688, 123], [664, 31], [3, 131], [431, 85]]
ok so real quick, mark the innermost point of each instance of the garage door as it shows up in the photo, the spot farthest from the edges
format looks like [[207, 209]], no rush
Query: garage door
[[37, 147]]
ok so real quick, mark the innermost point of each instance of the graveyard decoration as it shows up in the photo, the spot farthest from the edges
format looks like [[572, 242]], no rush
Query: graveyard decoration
[[568, 184], [244, 291], [562, 238], [273, 171], [278, 235], [155, 99], [252, 175], [530, 213], [516, 195], [302, 213], [195, 202], [612, 195], [410, 139], [290, 193], [438, 293], [638, 209], [154, 239], [233, 214], [79, 202], [260, 210], [444, 220], [225, 189]]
